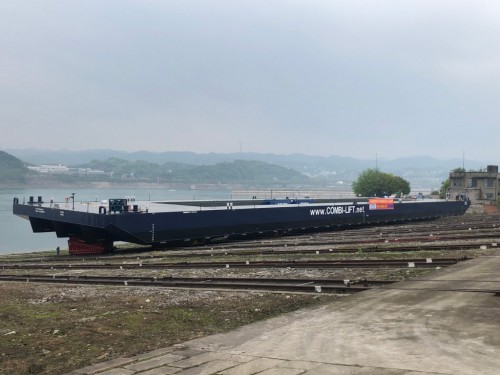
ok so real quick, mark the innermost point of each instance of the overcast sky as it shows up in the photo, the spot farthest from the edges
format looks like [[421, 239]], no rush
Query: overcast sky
[[320, 77]]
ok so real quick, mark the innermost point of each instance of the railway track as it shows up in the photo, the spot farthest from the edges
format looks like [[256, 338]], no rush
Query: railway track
[[342, 239], [283, 285], [264, 250], [289, 285], [393, 263], [295, 249], [271, 257], [449, 233]]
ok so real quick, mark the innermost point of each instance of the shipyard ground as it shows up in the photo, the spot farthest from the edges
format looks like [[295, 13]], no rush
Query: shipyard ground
[[446, 322]]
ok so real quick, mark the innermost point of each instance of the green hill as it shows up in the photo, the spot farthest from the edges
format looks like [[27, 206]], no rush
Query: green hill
[[11, 168], [236, 172], [240, 171]]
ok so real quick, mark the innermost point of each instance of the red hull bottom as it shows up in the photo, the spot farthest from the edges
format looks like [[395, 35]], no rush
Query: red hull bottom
[[77, 246]]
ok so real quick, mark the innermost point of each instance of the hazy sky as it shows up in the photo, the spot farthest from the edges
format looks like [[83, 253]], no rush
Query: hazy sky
[[320, 77]]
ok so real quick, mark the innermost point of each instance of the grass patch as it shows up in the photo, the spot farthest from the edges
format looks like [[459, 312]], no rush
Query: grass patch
[[54, 329]]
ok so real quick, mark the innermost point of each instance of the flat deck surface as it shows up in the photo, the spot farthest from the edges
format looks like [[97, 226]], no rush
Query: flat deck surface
[[204, 205], [448, 322]]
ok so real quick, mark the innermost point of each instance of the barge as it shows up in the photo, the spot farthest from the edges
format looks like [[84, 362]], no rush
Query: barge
[[93, 227]]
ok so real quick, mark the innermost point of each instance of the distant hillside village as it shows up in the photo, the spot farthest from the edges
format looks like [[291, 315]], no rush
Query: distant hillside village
[[114, 170], [59, 169]]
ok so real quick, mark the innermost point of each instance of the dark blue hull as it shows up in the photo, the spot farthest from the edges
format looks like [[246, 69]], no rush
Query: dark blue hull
[[158, 228]]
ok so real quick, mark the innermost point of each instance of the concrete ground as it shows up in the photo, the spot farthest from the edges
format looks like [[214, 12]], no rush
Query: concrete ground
[[447, 322]]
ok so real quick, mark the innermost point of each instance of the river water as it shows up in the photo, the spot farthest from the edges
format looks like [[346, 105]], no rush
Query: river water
[[16, 235]]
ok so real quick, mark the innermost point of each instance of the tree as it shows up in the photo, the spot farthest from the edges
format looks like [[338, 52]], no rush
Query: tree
[[399, 185], [374, 183], [445, 186]]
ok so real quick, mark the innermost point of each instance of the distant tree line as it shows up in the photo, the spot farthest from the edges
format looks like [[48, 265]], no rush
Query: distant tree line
[[13, 169], [240, 171]]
